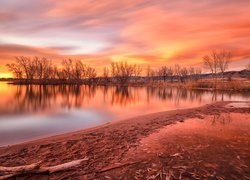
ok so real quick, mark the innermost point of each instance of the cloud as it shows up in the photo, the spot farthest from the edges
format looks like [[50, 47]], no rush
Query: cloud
[[139, 31]]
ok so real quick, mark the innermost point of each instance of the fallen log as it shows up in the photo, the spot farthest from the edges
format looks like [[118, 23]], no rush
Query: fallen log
[[62, 167], [36, 168], [19, 169]]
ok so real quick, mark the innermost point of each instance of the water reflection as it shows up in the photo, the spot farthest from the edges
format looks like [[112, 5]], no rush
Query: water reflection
[[33, 98], [32, 111]]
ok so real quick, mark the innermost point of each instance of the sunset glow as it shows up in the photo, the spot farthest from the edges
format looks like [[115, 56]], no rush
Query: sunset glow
[[138, 31]]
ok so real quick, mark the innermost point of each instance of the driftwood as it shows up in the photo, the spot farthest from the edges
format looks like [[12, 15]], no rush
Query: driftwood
[[37, 168], [19, 169]]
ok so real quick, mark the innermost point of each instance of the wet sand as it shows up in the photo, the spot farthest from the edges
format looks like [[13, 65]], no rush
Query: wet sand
[[210, 142]]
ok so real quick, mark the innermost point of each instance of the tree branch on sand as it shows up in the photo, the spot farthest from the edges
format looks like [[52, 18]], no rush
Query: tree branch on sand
[[36, 168]]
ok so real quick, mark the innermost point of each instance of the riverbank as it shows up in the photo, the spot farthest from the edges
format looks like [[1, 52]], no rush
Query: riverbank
[[111, 150]]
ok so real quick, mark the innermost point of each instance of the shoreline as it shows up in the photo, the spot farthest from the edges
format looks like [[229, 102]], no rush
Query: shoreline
[[103, 145], [202, 85]]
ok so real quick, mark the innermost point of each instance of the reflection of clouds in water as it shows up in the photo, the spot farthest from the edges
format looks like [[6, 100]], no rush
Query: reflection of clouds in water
[[35, 110], [26, 127]]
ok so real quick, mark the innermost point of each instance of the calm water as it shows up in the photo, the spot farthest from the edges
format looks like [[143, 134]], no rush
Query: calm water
[[31, 112]]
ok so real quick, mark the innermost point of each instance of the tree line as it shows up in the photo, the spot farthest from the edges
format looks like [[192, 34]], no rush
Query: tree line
[[41, 68]]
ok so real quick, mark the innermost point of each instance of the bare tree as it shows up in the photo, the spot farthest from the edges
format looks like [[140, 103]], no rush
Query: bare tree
[[22, 62], [43, 68], [198, 72], [211, 62], [166, 72], [150, 73], [194, 73], [16, 70], [137, 70], [223, 58], [183, 74], [163, 72], [79, 70], [123, 71], [191, 73], [105, 73], [217, 61], [90, 73], [68, 68], [177, 71]]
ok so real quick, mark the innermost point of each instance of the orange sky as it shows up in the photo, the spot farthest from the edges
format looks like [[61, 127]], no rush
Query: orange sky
[[158, 32]]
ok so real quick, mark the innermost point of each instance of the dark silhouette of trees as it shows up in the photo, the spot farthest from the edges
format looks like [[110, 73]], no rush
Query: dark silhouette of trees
[[16, 70], [43, 68]]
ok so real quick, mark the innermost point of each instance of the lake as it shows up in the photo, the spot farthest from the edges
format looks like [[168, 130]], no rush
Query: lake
[[29, 112]]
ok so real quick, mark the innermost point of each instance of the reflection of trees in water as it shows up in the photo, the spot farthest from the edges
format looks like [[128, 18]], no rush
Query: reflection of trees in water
[[182, 94], [30, 98], [124, 95], [173, 94]]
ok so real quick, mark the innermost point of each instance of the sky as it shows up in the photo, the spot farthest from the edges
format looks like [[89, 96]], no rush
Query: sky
[[145, 32]]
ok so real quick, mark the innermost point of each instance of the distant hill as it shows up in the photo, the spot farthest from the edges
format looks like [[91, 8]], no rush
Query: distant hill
[[233, 74]]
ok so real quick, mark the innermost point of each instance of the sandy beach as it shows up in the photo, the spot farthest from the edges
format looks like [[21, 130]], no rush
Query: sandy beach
[[128, 149]]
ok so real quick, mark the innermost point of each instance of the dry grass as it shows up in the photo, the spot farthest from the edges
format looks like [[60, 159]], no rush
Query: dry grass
[[222, 85], [219, 85], [235, 85]]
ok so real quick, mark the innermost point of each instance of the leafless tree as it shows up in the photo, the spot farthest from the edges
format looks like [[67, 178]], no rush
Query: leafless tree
[[68, 68], [123, 71], [150, 73], [198, 72], [217, 61], [165, 72], [183, 74], [90, 73], [79, 70], [106, 73], [43, 68], [137, 70], [177, 71], [16, 70], [211, 63], [194, 73], [224, 58]]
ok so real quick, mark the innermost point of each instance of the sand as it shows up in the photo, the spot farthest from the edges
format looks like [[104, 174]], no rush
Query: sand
[[114, 149]]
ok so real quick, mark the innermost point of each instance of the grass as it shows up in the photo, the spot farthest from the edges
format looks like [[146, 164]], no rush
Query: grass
[[219, 85]]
